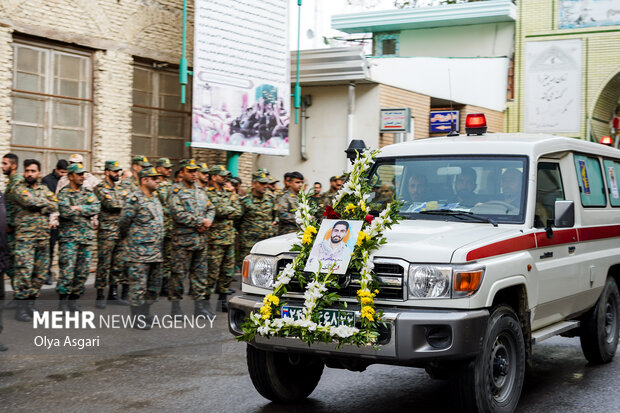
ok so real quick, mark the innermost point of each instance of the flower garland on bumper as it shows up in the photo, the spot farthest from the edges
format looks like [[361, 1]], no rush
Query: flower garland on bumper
[[350, 203]]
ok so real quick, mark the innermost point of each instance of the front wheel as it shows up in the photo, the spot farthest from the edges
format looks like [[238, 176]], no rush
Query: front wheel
[[599, 331], [282, 377], [492, 382]]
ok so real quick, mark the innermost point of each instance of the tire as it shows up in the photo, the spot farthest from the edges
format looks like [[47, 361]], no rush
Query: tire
[[492, 382], [283, 378], [601, 325]]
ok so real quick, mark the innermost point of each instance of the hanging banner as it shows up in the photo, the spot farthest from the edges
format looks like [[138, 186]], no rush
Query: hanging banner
[[553, 86], [241, 93]]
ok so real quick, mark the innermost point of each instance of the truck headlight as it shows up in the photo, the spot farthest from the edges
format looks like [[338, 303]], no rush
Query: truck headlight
[[429, 281], [260, 270]]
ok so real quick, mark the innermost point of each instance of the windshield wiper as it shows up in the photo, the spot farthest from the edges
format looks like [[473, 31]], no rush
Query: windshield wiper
[[459, 214]]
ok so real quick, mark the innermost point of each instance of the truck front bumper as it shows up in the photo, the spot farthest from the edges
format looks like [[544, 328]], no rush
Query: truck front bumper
[[414, 336]]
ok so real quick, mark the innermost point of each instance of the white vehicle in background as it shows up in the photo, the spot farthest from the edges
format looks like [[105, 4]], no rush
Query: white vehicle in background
[[508, 239]]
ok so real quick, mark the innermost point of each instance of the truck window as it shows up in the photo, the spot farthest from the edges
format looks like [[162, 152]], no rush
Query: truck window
[[590, 181], [612, 171], [549, 189]]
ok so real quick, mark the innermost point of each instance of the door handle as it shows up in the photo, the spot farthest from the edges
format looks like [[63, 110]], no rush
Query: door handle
[[571, 250], [547, 254]]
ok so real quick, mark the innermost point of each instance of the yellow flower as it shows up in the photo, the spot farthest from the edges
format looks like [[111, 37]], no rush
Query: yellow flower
[[363, 206], [307, 238], [363, 293], [361, 237], [273, 299], [368, 312], [350, 207], [265, 311], [366, 301]]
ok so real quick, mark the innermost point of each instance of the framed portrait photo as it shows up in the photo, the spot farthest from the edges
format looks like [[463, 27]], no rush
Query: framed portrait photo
[[333, 246]]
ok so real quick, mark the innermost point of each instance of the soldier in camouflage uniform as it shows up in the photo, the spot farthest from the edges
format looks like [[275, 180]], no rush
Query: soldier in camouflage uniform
[[76, 236], [222, 234], [327, 198], [203, 176], [164, 167], [287, 204], [142, 227], [128, 186], [34, 203], [259, 219], [9, 168], [192, 214], [111, 197]]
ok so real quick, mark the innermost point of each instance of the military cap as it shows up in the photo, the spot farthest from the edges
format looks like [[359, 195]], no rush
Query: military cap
[[164, 162], [189, 164], [141, 160], [204, 168], [263, 171], [149, 172], [260, 176], [219, 170], [336, 178], [76, 168], [76, 158], [273, 179], [112, 166]]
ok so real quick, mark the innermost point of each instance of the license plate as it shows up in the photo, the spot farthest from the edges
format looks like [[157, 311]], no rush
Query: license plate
[[333, 317]]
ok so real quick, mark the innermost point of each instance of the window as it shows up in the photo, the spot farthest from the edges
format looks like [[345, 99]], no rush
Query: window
[[387, 45], [590, 181], [612, 169], [161, 124], [52, 103], [548, 190]]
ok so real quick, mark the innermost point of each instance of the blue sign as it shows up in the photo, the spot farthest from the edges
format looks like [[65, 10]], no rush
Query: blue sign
[[441, 121]]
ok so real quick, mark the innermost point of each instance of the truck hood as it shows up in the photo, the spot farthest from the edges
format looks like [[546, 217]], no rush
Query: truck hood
[[416, 240]]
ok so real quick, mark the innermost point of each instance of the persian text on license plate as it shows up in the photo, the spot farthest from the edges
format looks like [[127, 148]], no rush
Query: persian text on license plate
[[333, 317]]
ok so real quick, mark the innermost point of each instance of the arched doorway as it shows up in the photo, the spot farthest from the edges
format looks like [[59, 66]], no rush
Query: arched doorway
[[606, 107]]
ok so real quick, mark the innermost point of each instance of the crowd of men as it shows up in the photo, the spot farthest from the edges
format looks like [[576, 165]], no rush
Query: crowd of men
[[152, 233]]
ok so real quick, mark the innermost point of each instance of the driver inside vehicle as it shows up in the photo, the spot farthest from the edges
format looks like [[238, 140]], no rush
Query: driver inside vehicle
[[511, 186], [416, 192], [464, 187]]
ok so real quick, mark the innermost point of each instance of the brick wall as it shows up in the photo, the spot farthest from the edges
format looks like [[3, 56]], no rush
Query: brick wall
[[6, 80]]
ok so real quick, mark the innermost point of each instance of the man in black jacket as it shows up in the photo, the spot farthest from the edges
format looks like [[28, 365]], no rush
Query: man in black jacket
[[51, 181], [4, 259]]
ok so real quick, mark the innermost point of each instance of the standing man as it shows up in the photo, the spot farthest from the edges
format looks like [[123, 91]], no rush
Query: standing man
[[192, 214], [111, 197], [142, 227], [77, 205], [33, 205], [90, 181], [335, 183], [203, 177], [164, 168], [288, 202], [9, 168], [259, 219], [222, 234], [138, 163], [51, 181]]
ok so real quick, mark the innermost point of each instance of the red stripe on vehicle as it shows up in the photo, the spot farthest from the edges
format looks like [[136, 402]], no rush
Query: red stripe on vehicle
[[560, 236], [523, 242], [594, 233]]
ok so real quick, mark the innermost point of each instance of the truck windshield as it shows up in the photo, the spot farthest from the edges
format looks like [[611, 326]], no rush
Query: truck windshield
[[460, 188]]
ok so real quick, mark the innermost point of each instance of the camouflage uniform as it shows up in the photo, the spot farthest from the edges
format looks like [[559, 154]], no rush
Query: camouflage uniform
[[163, 192], [222, 239], [76, 237], [111, 198], [287, 205], [327, 198], [126, 186], [32, 207], [256, 222], [189, 206], [14, 180], [142, 227]]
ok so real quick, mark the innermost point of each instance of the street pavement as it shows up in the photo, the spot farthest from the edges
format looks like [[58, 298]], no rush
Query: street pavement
[[204, 370]]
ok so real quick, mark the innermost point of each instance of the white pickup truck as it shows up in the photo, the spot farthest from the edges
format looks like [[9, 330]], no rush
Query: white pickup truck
[[508, 239]]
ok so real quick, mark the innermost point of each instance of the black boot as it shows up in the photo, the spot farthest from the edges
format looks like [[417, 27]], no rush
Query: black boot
[[164, 288], [222, 302], [175, 310], [73, 305], [100, 301], [113, 297], [31, 308], [139, 318], [21, 312], [125, 293], [63, 305], [203, 308]]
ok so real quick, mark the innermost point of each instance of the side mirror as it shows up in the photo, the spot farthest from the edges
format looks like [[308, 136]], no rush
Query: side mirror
[[564, 214]]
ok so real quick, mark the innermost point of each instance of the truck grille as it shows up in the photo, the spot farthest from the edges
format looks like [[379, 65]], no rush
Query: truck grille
[[390, 277]]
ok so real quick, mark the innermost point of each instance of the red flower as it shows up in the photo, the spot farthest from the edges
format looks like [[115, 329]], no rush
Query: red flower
[[330, 213], [368, 218]]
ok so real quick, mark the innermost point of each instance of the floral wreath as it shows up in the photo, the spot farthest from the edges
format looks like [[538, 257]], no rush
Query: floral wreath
[[349, 203]]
